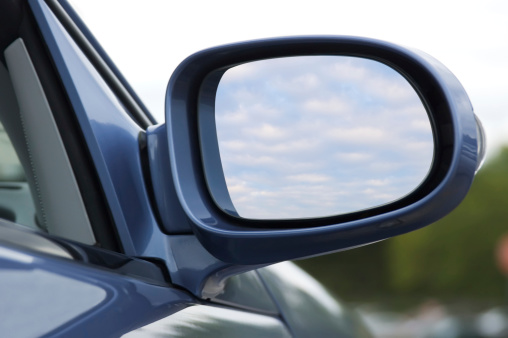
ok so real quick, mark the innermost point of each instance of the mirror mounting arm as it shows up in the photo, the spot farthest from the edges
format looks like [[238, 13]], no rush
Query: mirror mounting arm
[[189, 264], [173, 218]]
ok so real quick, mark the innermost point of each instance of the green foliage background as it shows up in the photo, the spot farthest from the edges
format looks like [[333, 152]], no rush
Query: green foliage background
[[452, 259]]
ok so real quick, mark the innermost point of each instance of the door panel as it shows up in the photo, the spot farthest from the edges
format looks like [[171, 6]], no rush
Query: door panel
[[47, 295]]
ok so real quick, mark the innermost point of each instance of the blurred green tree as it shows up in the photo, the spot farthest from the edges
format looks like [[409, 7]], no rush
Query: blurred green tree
[[455, 257]]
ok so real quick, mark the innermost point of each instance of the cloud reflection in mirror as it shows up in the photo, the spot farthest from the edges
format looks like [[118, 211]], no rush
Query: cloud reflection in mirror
[[315, 136]]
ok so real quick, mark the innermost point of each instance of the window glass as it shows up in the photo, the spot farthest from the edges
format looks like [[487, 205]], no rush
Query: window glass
[[16, 204], [10, 167]]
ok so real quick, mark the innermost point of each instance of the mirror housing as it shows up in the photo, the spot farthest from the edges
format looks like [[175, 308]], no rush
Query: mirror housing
[[178, 173]]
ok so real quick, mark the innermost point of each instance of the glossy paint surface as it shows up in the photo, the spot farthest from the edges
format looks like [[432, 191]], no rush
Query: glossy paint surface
[[45, 295], [208, 321], [172, 216]]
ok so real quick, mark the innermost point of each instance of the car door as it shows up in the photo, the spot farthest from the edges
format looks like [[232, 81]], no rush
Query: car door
[[76, 212]]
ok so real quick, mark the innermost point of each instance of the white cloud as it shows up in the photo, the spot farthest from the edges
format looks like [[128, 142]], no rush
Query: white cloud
[[379, 183], [333, 105], [317, 143], [309, 178], [353, 157], [267, 132], [360, 135]]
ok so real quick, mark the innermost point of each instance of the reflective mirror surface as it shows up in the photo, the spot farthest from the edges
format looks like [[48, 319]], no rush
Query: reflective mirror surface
[[317, 136]]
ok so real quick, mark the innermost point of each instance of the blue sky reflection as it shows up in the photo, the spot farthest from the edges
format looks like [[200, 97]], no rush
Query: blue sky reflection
[[319, 135]]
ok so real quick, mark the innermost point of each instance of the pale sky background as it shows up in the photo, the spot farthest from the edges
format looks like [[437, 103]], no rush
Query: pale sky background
[[148, 39]]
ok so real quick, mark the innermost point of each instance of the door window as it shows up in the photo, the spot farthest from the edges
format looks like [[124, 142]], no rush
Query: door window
[[16, 204]]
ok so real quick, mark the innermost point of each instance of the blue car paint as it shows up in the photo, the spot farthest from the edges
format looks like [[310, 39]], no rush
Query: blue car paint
[[71, 292], [47, 295], [173, 217], [289, 286]]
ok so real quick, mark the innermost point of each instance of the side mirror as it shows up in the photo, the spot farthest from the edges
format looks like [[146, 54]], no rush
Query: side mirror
[[286, 148]]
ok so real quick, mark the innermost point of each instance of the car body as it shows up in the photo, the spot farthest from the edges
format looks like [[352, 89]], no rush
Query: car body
[[98, 238]]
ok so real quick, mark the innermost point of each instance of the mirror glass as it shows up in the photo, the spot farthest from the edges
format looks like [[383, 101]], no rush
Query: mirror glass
[[316, 136]]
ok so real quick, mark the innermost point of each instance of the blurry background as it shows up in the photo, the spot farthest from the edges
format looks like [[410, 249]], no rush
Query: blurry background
[[445, 271], [439, 278]]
